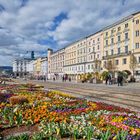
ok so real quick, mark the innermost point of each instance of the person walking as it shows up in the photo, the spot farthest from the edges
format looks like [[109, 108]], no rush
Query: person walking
[[110, 79], [69, 79], [53, 78], [121, 80], [106, 79], [63, 79]]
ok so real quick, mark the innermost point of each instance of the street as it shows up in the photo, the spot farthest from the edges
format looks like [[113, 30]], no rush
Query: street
[[127, 96]]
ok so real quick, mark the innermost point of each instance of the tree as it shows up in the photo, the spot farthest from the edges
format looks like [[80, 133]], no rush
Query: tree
[[97, 65], [133, 63], [110, 65]]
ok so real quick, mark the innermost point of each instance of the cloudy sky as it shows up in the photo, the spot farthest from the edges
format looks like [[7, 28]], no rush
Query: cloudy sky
[[27, 25]]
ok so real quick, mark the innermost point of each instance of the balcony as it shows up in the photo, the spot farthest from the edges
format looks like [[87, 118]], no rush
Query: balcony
[[126, 30], [116, 55], [118, 33]]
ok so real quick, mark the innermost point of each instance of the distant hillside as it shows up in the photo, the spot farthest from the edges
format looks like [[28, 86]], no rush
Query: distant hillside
[[6, 68]]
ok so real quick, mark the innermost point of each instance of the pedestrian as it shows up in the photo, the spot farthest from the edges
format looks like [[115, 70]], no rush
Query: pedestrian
[[121, 80], [106, 79], [110, 79], [63, 79], [53, 78], [69, 79]]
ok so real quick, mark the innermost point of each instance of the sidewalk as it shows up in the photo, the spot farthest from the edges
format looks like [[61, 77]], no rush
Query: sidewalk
[[125, 85]]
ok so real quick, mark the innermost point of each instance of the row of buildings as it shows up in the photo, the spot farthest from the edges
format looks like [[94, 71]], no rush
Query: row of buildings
[[116, 42]]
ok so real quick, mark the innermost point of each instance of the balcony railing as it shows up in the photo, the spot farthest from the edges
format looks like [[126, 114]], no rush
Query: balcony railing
[[116, 55]]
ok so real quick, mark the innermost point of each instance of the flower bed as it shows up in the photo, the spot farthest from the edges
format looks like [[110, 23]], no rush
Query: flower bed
[[58, 115]]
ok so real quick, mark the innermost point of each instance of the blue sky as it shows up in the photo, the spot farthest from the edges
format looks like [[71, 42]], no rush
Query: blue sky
[[28, 25]]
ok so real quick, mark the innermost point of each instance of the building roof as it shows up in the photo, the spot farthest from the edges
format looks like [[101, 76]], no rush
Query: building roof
[[103, 29], [22, 59], [121, 21]]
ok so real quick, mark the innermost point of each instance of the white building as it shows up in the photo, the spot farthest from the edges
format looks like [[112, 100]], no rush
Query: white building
[[30, 67], [20, 67]]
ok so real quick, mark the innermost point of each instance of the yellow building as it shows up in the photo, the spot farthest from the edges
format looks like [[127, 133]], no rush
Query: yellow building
[[37, 67], [136, 35], [71, 60], [118, 44], [115, 43], [94, 51]]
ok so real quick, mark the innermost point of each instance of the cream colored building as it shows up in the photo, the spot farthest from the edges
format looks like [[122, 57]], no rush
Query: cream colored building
[[70, 66], [115, 42], [94, 52], [55, 63], [120, 42], [76, 58], [81, 56], [44, 67], [37, 67], [136, 42]]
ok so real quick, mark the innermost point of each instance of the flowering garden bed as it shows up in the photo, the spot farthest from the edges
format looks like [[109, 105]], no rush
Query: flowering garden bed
[[27, 112]]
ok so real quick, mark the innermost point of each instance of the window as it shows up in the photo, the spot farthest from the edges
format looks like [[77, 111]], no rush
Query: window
[[106, 33], [98, 39], [98, 47], [112, 31], [139, 60], [112, 40], [93, 49], [112, 52], [82, 68], [119, 50], [89, 43], [84, 59], [137, 21], [106, 42], [126, 49], [88, 66], [137, 45], [137, 33], [98, 55], [79, 68], [84, 50], [117, 62], [91, 57], [89, 50], [119, 28], [93, 41], [126, 25], [126, 35], [104, 63], [119, 38], [124, 61], [106, 53]]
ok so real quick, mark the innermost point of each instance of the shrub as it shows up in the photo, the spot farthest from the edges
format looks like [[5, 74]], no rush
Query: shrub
[[18, 100], [104, 74]]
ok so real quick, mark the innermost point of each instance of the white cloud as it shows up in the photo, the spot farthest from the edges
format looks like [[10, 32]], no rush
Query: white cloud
[[22, 27]]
